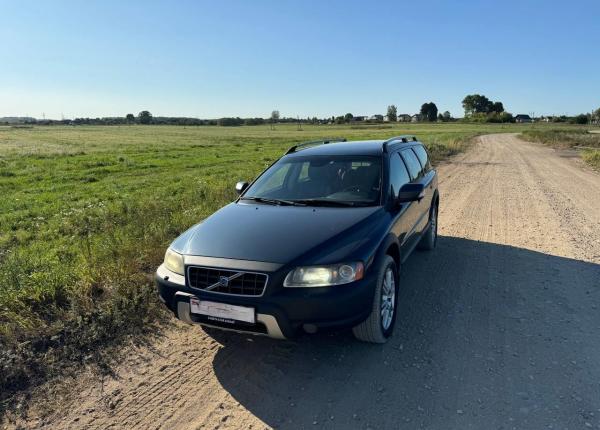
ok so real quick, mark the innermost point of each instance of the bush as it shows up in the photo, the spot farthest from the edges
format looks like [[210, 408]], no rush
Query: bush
[[492, 117]]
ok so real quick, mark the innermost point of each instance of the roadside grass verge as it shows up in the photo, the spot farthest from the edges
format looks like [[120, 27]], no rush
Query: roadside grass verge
[[592, 157], [564, 138], [580, 139], [87, 213]]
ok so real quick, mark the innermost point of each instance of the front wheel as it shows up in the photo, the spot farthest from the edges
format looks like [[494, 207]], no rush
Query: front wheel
[[378, 327]]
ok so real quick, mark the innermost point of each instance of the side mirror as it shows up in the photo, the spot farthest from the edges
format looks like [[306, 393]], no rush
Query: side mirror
[[411, 193], [241, 186]]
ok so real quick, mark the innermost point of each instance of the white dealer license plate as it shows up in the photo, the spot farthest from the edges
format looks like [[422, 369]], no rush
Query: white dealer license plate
[[222, 311]]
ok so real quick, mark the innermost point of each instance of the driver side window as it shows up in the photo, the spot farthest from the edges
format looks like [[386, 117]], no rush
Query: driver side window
[[398, 174]]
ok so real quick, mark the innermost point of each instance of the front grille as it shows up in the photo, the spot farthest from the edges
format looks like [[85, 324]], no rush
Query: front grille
[[227, 281]]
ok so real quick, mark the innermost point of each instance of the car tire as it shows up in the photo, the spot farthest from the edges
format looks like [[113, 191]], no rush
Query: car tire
[[378, 327], [429, 239]]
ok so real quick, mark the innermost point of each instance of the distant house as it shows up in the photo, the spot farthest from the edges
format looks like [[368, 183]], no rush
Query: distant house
[[415, 118], [376, 118], [404, 117], [523, 118], [386, 118], [359, 118]]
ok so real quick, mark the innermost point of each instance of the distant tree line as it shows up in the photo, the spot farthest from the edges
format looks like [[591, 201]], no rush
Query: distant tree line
[[582, 118], [145, 118], [478, 108]]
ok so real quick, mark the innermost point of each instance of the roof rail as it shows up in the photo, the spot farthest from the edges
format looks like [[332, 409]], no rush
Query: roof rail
[[313, 143], [402, 138]]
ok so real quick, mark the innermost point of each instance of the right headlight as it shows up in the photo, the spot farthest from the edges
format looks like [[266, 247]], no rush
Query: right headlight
[[174, 261], [324, 276]]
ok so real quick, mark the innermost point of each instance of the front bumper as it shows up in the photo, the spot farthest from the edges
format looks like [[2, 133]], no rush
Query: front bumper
[[280, 312]]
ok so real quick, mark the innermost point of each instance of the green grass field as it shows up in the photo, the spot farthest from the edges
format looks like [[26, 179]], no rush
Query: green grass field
[[87, 212]]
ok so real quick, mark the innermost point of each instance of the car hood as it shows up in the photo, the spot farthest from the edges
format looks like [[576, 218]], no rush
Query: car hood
[[277, 234]]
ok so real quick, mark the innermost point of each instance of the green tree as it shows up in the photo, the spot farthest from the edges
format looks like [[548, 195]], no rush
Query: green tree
[[145, 117], [392, 113], [429, 111], [274, 118], [130, 118], [497, 107], [348, 117], [580, 119], [476, 103], [446, 116]]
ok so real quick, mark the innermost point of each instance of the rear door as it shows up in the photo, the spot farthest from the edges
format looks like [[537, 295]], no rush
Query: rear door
[[427, 179]]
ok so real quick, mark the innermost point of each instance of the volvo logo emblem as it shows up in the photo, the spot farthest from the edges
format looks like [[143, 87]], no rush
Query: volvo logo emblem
[[223, 281]]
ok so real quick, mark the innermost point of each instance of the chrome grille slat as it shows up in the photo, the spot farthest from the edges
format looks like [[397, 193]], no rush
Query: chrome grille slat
[[239, 283]]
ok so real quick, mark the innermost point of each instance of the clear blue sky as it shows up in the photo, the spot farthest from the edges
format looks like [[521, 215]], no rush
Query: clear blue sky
[[246, 58]]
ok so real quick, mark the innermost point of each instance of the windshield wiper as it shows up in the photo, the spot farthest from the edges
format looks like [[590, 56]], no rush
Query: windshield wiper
[[327, 202], [273, 201]]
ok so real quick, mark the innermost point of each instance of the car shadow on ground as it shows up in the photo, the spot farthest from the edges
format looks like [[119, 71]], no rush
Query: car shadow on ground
[[488, 336]]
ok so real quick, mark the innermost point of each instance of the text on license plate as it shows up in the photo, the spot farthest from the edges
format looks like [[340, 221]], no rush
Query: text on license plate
[[222, 310]]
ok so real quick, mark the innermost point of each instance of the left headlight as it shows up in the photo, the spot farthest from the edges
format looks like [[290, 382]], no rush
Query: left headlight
[[324, 276], [174, 261]]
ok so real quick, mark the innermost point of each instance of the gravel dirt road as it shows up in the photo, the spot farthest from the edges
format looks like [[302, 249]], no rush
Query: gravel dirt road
[[499, 328]]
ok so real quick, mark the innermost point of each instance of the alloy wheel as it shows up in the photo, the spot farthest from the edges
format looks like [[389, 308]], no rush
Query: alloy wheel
[[388, 296]]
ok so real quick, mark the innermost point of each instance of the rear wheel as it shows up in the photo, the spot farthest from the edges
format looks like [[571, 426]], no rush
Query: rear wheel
[[378, 327], [429, 239]]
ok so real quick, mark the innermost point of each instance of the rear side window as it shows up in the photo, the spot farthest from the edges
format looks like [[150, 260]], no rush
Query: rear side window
[[412, 162], [423, 157], [398, 174]]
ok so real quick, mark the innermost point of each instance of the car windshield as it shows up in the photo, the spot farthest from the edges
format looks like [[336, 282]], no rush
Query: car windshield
[[320, 181]]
